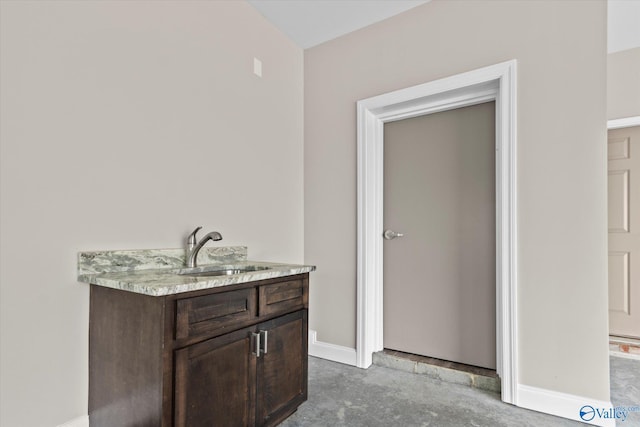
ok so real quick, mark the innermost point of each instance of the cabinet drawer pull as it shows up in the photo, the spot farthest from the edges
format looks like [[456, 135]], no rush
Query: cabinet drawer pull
[[256, 344], [263, 341]]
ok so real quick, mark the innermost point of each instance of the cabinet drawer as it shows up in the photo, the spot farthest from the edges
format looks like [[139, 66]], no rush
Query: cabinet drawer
[[281, 297], [210, 313]]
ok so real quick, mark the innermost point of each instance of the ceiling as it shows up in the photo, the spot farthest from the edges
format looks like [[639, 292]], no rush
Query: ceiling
[[623, 25], [312, 22]]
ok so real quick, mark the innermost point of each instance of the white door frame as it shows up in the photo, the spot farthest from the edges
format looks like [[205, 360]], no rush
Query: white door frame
[[623, 123], [494, 83]]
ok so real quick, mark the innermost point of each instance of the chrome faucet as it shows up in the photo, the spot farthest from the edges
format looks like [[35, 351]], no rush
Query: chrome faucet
[[193, 248]]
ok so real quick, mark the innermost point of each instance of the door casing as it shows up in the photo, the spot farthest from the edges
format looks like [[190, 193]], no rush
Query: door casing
[[494, 83]]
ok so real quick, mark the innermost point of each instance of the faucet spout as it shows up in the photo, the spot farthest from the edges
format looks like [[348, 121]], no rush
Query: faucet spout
[[193, 248]]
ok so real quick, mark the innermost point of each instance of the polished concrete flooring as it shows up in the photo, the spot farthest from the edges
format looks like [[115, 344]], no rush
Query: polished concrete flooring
[[341, 395]]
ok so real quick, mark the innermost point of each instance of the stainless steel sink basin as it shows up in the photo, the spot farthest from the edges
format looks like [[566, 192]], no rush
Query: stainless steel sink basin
[[223, 271]]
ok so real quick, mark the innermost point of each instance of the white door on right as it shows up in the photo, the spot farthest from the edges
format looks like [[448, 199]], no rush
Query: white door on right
[[624, 231]]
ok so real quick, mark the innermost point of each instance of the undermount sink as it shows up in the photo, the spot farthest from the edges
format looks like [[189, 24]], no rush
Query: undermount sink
[[218, 271]]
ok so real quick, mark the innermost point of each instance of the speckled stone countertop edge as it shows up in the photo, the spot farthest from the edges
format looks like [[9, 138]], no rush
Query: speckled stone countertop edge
[[166, 281]]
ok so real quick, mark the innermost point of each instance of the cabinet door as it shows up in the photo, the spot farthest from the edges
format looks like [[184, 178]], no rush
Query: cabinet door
[[282, 368], [215, 382]]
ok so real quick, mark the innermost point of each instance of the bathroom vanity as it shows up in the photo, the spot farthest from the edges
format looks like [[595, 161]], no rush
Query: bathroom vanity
[[224, 344]]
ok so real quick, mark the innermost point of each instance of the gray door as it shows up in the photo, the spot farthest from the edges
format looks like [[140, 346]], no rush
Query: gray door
[[439, 277]]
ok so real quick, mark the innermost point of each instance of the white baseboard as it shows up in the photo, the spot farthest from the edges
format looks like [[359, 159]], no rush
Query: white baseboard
[[564, 405], [82, 421], [335, 353]]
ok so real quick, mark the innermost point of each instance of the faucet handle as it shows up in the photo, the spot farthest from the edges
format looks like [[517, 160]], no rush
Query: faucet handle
[[191, 240]]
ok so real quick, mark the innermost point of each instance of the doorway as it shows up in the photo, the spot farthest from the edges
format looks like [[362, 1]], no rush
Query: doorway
[[494, 83], [624, 236], [439, 252]]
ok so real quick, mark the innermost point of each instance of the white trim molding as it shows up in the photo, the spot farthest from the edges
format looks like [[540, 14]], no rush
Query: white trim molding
[[335, 353], [494, 83], [564, 405], [623, 123], [82, 421], [623, 355]]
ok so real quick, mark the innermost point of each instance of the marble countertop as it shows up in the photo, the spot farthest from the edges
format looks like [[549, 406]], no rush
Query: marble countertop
[[157, 272]]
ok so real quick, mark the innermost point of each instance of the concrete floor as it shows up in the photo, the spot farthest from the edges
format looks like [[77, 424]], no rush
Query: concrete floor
[[341, 395], [625, 387]]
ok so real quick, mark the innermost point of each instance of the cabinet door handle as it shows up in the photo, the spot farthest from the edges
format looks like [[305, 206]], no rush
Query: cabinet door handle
[[263, 341], [256, 344]]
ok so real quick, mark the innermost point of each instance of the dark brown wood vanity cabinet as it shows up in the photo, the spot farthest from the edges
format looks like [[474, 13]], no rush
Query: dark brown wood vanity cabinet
[[228, 356]]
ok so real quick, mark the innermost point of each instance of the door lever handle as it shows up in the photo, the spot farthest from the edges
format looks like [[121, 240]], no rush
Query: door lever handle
[[390, 234]]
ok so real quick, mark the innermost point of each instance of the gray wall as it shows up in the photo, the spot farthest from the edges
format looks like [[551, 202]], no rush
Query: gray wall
[[562, 244], [623, 84], [121, 121]]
